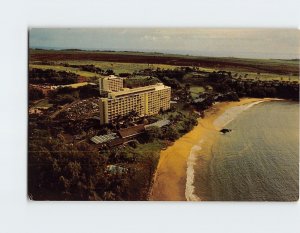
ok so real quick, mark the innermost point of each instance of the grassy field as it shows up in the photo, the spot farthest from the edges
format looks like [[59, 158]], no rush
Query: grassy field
[[195, 90], [268, 76], [43, 104], [117, 67], [276, 66], [130, 62], [121, 67], [149, 147], [76, 85]]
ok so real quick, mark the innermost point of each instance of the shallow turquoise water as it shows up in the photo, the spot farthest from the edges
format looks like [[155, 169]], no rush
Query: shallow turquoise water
[[259, 159]]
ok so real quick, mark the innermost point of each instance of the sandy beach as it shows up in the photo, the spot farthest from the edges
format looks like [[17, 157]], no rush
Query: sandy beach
[[171, 182]]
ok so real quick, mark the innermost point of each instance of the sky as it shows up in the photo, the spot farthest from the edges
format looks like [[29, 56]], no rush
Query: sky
[[244, 43]]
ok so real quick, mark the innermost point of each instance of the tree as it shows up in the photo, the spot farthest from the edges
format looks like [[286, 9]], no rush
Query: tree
[[88, 91], [64, 184], [133, 144], [35, 94], [171, 133], [50, 76], [150, 161], [187, 86], [73, 170], [152, 133], [110, 72], [65, 99]]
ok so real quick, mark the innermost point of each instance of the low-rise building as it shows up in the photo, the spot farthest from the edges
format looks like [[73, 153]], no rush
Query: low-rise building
[[131, 132]]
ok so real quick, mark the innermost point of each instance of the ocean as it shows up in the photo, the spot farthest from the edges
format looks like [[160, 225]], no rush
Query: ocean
[[257, 161]]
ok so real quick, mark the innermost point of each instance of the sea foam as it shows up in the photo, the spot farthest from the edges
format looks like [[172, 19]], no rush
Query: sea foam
[[190, 174], [231, 113]]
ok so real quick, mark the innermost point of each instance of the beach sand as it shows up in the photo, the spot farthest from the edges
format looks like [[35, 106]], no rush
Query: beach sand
[[170, 180]]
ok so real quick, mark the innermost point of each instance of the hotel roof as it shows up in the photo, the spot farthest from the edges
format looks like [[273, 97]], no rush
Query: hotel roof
[[131, 131], [103, 138], [159, 124], [158, 86]]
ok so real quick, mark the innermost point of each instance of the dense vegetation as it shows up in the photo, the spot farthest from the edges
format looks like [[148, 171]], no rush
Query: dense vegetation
[[137, 81], [224, 83], [49, 76], [90, 68], [58, 171], [63, 95], [65, 171], [35, 94]]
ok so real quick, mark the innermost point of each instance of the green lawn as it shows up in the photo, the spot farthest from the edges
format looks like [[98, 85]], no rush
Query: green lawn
[[43, 103], [156, 145], [267, 76], [76, 85], [117, 67], [195, 90], [121, 67]]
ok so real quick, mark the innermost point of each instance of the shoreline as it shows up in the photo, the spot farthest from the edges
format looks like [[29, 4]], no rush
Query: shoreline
[[174, 176]]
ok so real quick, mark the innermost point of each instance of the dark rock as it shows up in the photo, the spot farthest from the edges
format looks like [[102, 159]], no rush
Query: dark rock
[[224, 131]]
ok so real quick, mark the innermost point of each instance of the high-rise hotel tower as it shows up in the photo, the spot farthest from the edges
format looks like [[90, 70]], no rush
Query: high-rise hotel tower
[[110, 83], [145, 101]]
